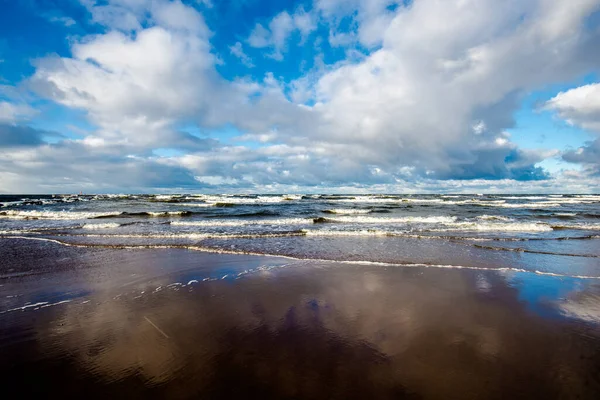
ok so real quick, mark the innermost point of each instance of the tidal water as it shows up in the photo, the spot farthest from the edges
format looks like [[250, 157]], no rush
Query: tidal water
[[546, 234]]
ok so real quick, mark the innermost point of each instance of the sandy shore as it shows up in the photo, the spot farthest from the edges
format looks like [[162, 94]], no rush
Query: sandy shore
[[176, 323]]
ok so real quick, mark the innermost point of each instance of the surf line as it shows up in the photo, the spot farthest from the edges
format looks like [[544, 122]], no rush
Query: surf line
[[250, 253]]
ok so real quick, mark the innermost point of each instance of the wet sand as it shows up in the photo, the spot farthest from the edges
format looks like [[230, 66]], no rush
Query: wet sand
[[175, 323]]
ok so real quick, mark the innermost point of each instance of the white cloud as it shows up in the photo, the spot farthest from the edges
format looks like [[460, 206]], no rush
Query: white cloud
[[280, 28], [417, 98], [371, 18], [11, 113], [238, 51], [136, 87], [260, 37], [66, 21], [431, 101], [579, 106]]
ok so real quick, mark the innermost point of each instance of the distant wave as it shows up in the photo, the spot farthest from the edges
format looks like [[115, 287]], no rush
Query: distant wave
[[154, 214], [497, 227], [494, 218], [392, 220], [110, 225], [260, 213], [346, 211], [243, 222], [578, 226], [77, 215], [57, 215]]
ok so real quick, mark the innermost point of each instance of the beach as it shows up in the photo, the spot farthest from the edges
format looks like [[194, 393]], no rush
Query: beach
[[180, 323]]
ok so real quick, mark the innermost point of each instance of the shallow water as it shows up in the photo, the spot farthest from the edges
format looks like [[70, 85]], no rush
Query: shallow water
[[176, 323], [504, 231]]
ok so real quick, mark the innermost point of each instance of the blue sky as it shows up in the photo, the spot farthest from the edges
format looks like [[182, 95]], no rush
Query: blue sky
[[299, 96]]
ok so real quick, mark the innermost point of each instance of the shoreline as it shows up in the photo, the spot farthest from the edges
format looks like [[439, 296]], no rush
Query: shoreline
[[212, 250]]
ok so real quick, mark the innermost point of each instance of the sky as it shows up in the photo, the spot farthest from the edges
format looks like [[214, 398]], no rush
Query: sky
[[315, 96]]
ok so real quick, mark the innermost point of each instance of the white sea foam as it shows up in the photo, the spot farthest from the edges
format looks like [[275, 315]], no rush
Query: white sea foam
[[35, 306], [578, 226], [225, 199], [108, 225], [53, 215], [195, 236], [16, 232], [197, 204], [166, 197], [523, 197], [486, 217], [362, 232], [497, 227], [539, 204], [396, 220], [244, 222], [347, 211], [166, 213]]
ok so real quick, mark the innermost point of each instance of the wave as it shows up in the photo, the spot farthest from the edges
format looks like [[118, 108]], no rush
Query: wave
[[179, 235], [261, 213], [486, 217], [498, 227], [533, 205], [363, 232], [523, 250], [110, 225], [78, 215], [197, 204], [522, 197], [52, 215], [396, 220], [578, 226], [155, 214], [207, 249], [243, 222], [346, 211], [241, 200], [19, 232], [447, 226]]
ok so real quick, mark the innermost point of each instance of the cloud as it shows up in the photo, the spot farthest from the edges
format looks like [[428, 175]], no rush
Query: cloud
[[425, 108], [66, 21], [238, 51], [581, 107], [11, 112], [79, 165], [139, 87], [370, 19], [414, 101], [22, 136], [280, 28]]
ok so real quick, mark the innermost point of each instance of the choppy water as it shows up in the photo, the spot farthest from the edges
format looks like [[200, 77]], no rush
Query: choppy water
[[548, 234]]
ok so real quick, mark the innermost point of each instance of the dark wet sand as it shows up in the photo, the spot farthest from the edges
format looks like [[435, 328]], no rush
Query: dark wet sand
[[106, 323]]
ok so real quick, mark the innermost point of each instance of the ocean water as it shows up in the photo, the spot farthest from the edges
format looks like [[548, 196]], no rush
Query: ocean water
[[545, 234]]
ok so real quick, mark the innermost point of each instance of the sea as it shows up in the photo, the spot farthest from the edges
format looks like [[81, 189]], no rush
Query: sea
[[553, 234]]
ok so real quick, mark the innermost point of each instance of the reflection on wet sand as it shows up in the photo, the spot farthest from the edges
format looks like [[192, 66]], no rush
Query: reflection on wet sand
[[305, 331]]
